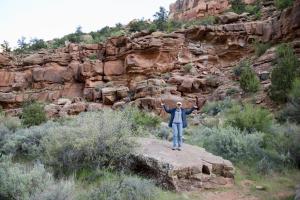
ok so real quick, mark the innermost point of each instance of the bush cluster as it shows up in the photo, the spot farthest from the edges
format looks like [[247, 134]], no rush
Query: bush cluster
[[238, 69], [261, 48], [282, 4], [215, 107], [266, 152], [142, 118], [238, 6], [291, 112], [125, 188], [96, 139], [33, 45], [249, 118], [33, 113], [31, 183], [249, 81], [284, 73]]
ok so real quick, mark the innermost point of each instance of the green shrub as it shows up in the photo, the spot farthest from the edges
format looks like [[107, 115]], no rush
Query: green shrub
[[138, 25], [77, 143], [230, 143], [238, 69], [61, 190], [125, 188], [215, 107], [249, 81], [93, 57], [144, 118], [212, 81], [8, 125], [266, 153], [238, 6], [291, 112], [33, 114], [284, 73], [188, 67], [82, 143], [5, 46], [281, 144], [209, 20], [17, 182], [282, 4], [249, 118], [261, 48], [173, 25], [26, 143], [106, 32], [12, 123], [37, 44], [232, 91], [254, 10], [29, 183]]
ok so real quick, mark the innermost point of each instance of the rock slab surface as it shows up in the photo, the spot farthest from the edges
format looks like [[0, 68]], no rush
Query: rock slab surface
[[190, 169]]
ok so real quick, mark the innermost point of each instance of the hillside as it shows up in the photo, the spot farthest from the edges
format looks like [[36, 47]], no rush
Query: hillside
[[145, 67], [81, 116]]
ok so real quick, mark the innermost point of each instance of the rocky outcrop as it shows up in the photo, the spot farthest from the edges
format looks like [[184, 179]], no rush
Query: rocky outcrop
[[195, 9], [142, 68], [186, 170]]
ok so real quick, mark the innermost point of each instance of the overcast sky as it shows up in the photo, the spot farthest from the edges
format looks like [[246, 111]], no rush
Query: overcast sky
[[48, 19]]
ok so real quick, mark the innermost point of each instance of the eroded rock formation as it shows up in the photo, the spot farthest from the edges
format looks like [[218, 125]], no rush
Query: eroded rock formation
[[143, 68], [190, 169], [195, 9]]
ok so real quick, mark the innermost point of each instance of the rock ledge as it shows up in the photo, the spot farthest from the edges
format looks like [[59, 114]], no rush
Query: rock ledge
[[190, 169]]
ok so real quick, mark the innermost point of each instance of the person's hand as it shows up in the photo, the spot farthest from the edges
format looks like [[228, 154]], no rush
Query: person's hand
[[161, 103]]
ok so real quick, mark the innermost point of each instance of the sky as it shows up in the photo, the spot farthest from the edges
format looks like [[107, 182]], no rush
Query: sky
[[48, 19]]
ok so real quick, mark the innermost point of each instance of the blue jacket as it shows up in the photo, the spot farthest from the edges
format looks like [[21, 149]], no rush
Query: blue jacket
[[184, 113]]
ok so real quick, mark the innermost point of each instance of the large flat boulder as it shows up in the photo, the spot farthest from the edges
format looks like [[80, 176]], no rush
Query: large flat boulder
[[190, 169]]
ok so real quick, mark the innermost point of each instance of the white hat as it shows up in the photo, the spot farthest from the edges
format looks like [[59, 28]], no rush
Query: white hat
[[179, 103]]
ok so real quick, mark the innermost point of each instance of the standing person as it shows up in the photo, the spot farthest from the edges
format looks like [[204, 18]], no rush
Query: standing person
[[178, 122]]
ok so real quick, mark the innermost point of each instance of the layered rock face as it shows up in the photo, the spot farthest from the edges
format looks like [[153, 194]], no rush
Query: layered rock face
[[195, 9], [144, 68], [190, 169]]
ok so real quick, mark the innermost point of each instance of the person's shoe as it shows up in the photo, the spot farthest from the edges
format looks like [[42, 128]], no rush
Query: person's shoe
[[173, 148], [179, 148]]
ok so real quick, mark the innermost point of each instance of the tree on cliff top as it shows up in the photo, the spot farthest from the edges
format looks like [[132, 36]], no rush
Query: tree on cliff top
[[161, 18], [5, 46]]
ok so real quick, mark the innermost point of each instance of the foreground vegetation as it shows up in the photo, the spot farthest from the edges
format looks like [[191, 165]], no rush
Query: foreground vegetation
[[76, 158]]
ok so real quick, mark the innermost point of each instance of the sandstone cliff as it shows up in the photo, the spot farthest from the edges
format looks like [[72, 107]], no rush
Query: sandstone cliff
[[145, 67], [195, 9]]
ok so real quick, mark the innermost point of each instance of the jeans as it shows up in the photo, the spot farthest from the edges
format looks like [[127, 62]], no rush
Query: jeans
[[177, 134]]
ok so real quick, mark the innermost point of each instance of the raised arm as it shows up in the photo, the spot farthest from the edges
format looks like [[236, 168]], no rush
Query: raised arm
[[166, 109], [189, 111]]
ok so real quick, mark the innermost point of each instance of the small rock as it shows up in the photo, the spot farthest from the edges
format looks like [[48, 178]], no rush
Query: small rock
[[259, 187], [63, 101]]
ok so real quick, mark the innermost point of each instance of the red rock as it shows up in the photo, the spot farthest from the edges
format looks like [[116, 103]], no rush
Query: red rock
[[92, 46], [94, 106], [186, 85], [59, 58], [228, 17], [6, 78], [113, 68], [195, 9], [74, 108], [35, 59], [109, 95], [4, 60], [52, 110], [72, 90]]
